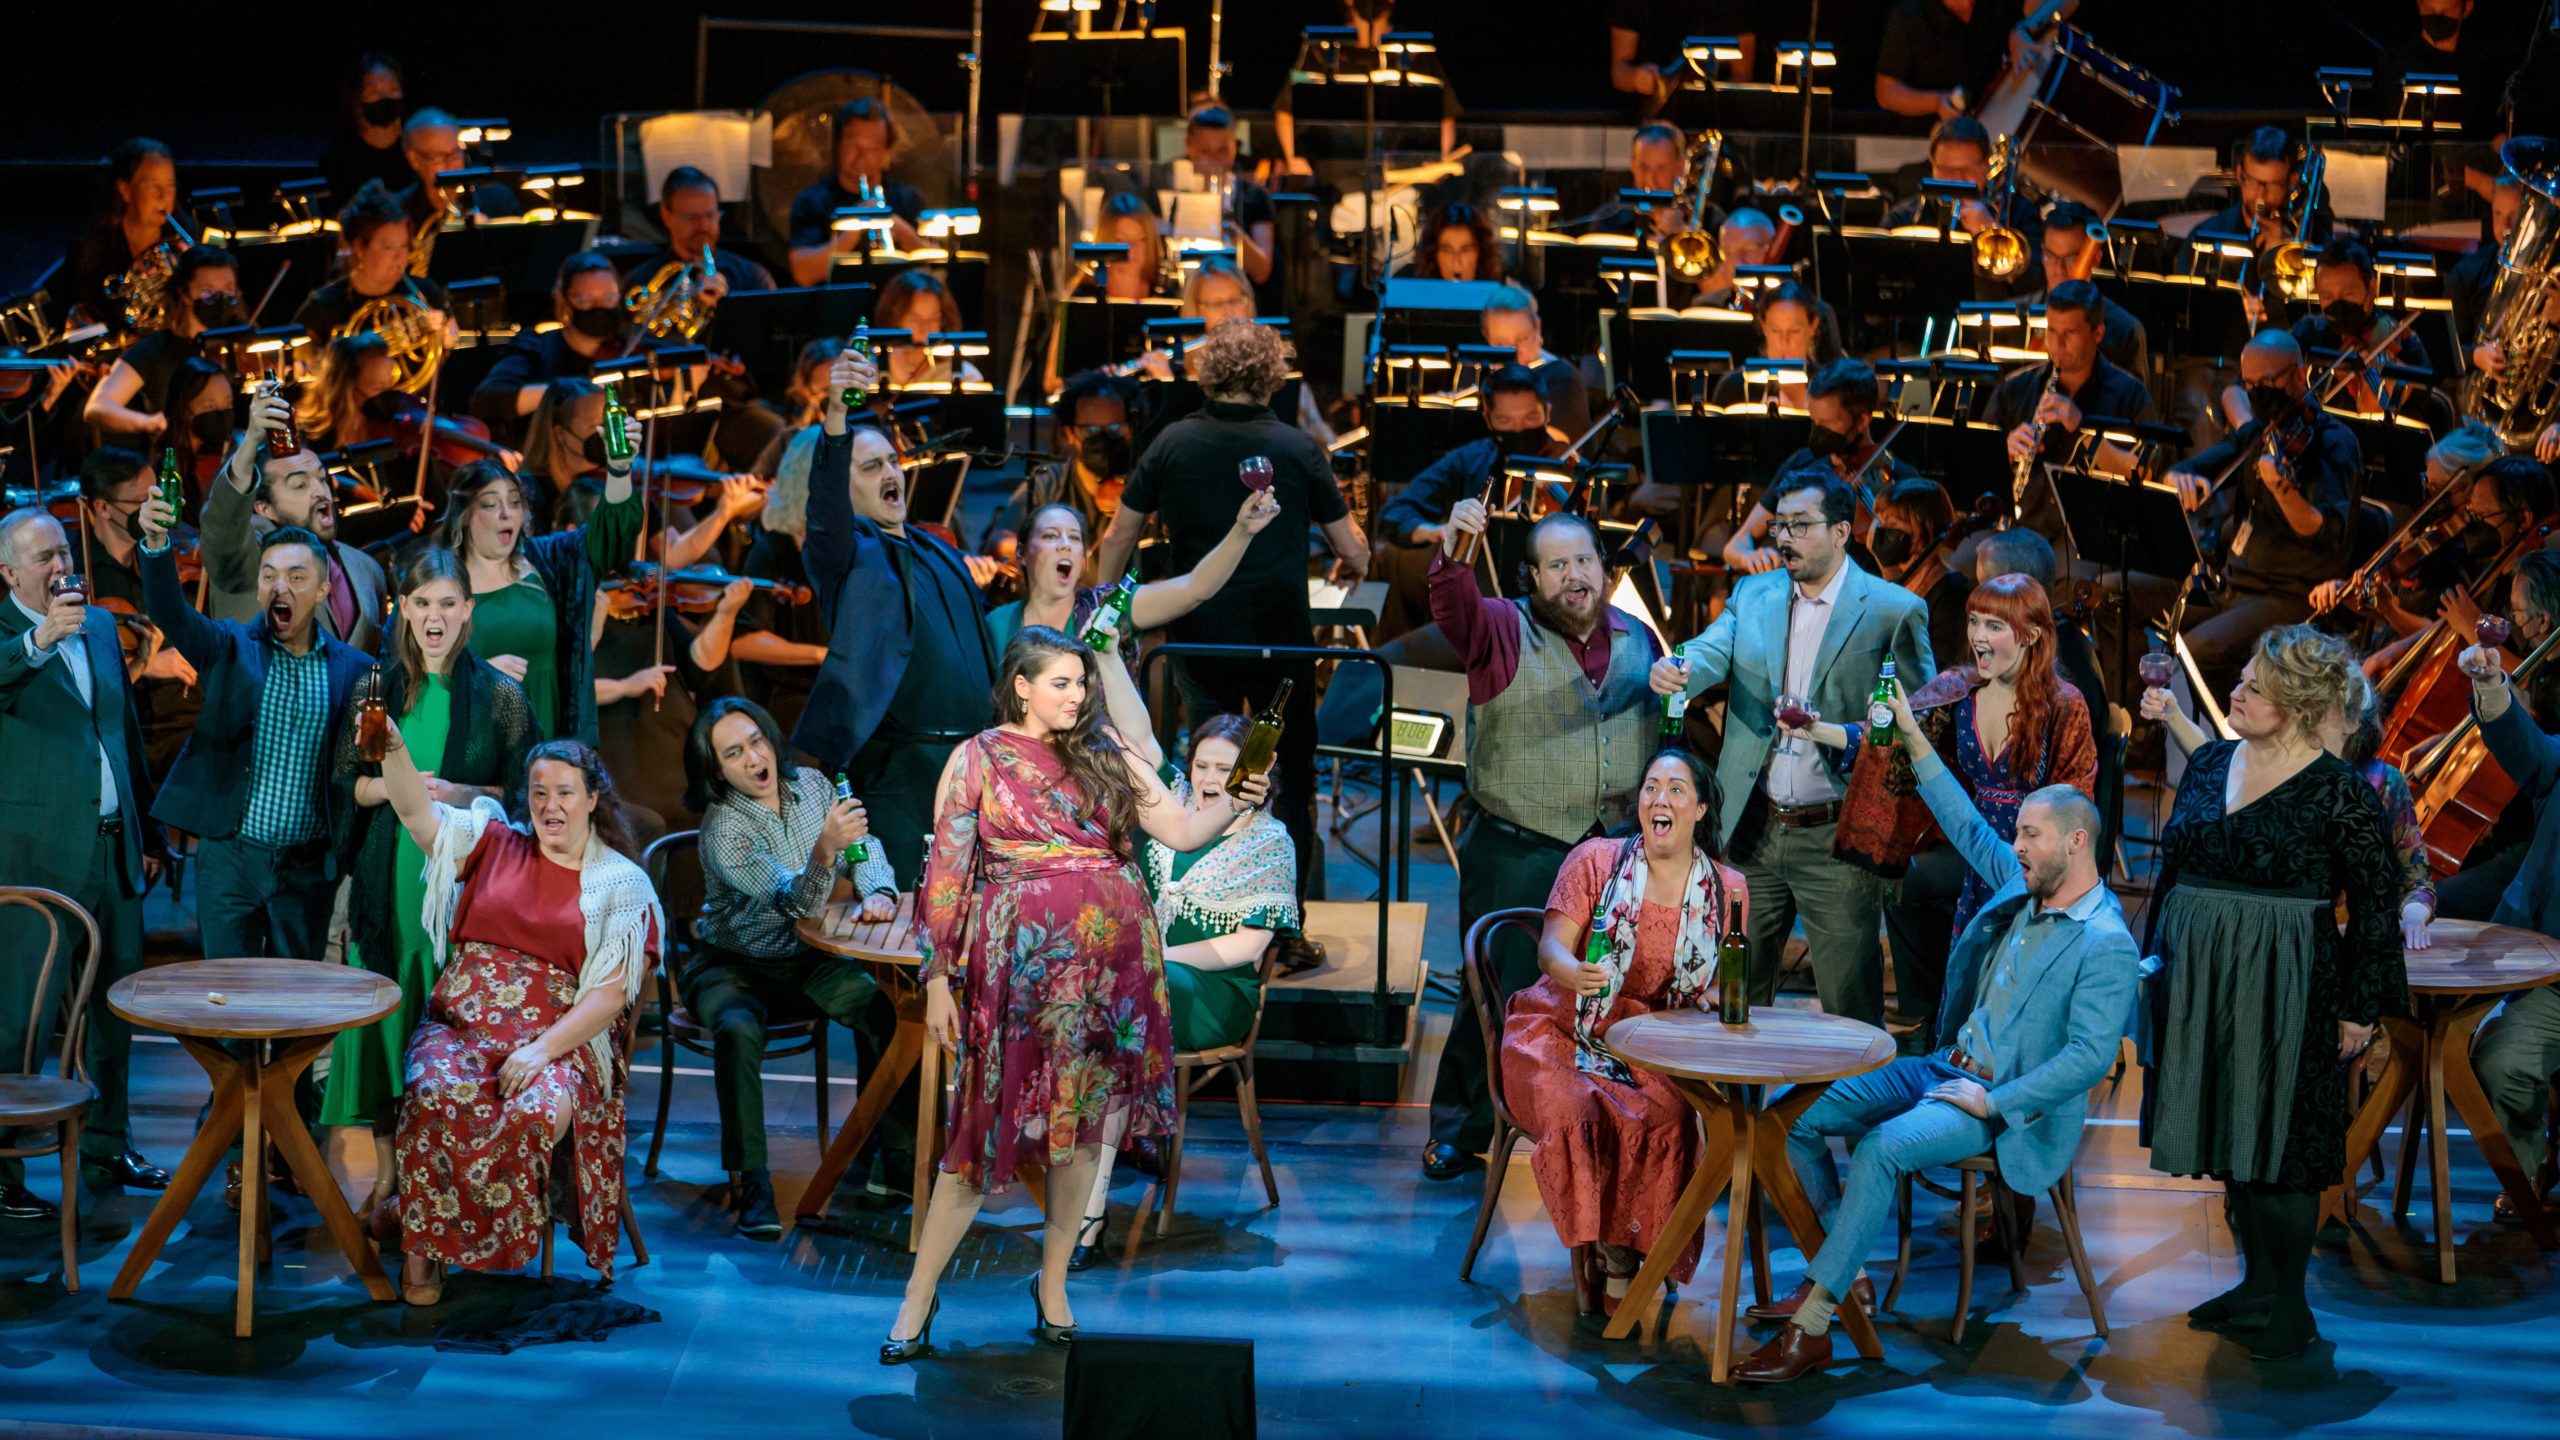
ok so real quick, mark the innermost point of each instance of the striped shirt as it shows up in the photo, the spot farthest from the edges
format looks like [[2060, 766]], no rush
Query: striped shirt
[[760, 874], [293, 723]]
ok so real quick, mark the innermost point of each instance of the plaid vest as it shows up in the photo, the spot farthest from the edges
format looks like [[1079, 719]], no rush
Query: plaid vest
[[1553, 755]]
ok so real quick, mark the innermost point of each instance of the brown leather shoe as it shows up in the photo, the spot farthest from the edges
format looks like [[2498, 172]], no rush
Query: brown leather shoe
[[1790, 1355], [1862, 1290]]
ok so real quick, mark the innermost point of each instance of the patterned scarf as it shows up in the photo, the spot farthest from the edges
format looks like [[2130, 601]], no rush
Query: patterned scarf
[[1613, 948]]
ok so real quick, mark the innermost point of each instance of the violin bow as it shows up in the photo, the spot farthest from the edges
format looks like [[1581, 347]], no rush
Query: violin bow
[[426, 449], [648, 475]]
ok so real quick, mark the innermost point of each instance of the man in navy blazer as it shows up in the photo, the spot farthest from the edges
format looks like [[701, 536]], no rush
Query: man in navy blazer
[[252, 784], [71, 820], [2038, 991], [910, 667]]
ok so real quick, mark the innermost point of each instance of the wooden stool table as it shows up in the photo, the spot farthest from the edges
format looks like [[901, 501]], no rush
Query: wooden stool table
[[297, 1005], [886, 948], [1720, 1069], [2452, 983]]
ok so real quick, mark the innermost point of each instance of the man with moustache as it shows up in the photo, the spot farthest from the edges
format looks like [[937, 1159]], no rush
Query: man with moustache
[[2015, 1055], [1559, 727], [265, 493], [1821, 628]]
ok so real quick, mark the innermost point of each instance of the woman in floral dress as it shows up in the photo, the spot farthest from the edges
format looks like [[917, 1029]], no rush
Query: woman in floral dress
[[1043, 970], [545, 932]]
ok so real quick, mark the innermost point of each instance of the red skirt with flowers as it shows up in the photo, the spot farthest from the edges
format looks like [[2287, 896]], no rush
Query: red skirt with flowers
[[476, 1174]]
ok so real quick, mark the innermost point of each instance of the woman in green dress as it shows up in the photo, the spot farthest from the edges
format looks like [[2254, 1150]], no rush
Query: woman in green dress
[[473, 726], [534, 596], [1053, 556]]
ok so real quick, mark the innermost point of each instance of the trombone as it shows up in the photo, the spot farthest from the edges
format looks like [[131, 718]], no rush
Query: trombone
[[2290, 263], [2001, 252], [1694, 252]]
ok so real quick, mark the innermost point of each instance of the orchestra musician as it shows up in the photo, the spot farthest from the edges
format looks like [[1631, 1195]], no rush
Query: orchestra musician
[[1095, 415], [2266, 166], [1511, 318], [1960, 152], [1370, 21], [198, 405], [113, 484], [1792, 324], [1745, 238], [432, 141], [586, 298], [204, 294], [2496, 858], [374, 230], [866, 142], [1209, 143], [914, 305], [2043, 407], [2343, 278], [356, 397], [2467, 283], [2065, 257], [142, 196], [1124, 219], [368, 147], [1841, 397], [565, 452], [779, 641], [1514, 402], [1642, 33], [689, 210], [1457, 243], [259, 493], [1939, 57], [2507, 496]]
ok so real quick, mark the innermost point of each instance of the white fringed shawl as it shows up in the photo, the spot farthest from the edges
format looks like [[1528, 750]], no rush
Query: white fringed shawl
[[619, 904]]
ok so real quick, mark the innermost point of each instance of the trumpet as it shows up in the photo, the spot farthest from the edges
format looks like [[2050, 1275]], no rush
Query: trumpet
[[140, 292], [2001, 253], [670, 303], [1694, 252]]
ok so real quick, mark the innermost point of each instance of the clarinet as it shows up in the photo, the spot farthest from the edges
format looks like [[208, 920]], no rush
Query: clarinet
[[2024, 472]]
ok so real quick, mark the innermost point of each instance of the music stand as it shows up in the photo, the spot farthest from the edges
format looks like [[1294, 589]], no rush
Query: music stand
[[1106, 73], [766, 328], [1102, 331], [2125, 525], [1641, 347]]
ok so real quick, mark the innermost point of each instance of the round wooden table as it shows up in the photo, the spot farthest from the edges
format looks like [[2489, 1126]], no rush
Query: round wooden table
[[2452, 983], [1723, 1070], [886, 948], [298, 1007]]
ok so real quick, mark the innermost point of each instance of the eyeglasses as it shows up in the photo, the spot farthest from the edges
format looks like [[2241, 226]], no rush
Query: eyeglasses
[[2485, 517], [1115, 428], [1794, 529]]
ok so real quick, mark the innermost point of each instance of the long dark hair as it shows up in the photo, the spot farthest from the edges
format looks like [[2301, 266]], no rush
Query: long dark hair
[[704, 781], [462, 492], [611, 824], [432, 564], [1702, 778], [1426, 247], [1096, 766]]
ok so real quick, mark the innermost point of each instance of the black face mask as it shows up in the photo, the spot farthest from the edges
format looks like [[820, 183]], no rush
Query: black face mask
[[385, 406], [1826, 442], [380, 112], [602, 323], [1519, 442], [2267, 401], [1104, 453], [212, 429], [1891, 545], [215, 311], [2439, 28], [2347, 315], [593, 449], [2479, 540]]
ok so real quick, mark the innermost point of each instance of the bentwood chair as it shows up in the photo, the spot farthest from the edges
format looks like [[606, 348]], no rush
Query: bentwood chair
[[1490, 1004], [674, 863], [31, 1099], [2012, 1238], [563, 1160], [1195, 1068]]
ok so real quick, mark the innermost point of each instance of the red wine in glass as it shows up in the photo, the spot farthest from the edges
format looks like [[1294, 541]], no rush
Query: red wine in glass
[[2492, 631], [2158, 667], [68, 583], [1792, 712], [1255, 472]]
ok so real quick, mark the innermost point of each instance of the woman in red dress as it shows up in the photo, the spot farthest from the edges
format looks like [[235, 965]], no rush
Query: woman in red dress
[[1043, 969], [545, 932], [1632, 927]]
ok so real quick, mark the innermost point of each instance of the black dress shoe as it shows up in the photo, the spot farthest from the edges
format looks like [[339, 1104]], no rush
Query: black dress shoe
[[1041, 1329], [128, 1171], [1298, 954], [757, 1218], [894, 1351], [1444, 1161], [893, 1176], [17, 1202], [1088, 1251]]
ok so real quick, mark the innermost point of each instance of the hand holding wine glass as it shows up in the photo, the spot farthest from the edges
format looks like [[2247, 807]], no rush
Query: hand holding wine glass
[[1796, 717]]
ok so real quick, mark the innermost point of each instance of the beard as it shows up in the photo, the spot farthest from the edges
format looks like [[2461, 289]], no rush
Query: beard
[[2044, 877], [1559, 617]]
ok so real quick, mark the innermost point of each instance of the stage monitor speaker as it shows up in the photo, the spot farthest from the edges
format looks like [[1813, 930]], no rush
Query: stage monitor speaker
[[1138, 1387]]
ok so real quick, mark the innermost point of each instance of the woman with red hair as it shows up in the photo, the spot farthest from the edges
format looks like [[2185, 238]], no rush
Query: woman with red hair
[[2006, 723]]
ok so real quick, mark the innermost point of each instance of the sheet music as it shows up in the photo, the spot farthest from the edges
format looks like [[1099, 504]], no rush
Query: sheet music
[[715, 142]]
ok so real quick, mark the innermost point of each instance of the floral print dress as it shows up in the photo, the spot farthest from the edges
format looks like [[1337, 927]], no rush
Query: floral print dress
[[1041, 924]]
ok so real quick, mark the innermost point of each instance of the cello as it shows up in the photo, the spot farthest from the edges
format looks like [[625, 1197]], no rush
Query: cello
[[2434, 696], [2458, 794]]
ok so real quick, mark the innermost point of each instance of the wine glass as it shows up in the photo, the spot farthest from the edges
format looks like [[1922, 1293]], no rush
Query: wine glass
[[69, 582], [2158, 667], [1795, 712], [1254, 471], [2492, 631]]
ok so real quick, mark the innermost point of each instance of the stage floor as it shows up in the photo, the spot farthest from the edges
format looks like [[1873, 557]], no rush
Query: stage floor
[[1348, 1290]]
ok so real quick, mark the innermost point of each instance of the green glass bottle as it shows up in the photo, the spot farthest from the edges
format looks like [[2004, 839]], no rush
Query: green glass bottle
[[617, 440], [1733, 970], [856, 397], [1880, 707], [1675, 707], [1111, 618], [173, 486], [1261, 743], [1595, 952], [859, 852]]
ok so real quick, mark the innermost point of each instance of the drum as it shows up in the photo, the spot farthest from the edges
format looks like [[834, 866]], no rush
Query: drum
[[2091, 102]]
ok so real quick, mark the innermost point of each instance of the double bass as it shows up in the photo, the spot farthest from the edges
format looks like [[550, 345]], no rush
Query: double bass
[[2458, 793]]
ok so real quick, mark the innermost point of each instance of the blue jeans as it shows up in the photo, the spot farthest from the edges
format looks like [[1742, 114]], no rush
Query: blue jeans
[[1904, 1134]]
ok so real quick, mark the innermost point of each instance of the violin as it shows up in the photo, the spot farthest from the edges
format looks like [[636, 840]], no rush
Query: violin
[[696, 589], [460, 439]]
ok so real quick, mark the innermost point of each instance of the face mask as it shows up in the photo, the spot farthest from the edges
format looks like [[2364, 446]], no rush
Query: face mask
[[212, 429], [1891, 546], [2439, 28], [385, 406], [1826, 442], [602, 323], [380, 112], [593, 449], [2478, 539], [215, 311], [2347, 315], [1518, 442], [1105, 454], [2266, 401]]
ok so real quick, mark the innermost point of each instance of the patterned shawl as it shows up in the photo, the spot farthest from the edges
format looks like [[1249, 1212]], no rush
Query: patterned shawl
[[1244, 881], [1612, 947]]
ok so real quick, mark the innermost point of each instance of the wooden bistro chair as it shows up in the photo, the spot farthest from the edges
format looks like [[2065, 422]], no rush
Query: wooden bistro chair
[[1491, 1004], [31, 1099], [1195, 1068], [623, 1034], [674, 864], [1970, 1172]]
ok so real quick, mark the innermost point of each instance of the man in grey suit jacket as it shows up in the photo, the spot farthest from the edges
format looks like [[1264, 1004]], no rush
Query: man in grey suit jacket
[[71, 820], [1821, 628], [264, 494], [2038, 991]]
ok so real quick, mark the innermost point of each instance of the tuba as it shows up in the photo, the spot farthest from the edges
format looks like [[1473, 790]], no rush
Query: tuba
[[413, 333], [670, 304], [2524, 396], [1694, 252]]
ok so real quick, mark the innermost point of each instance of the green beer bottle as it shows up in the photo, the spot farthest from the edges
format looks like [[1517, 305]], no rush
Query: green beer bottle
[[1880, 708], [1111, 618], [617, 441], [173, 486], [1675, 706], [854, 396], [859, 852], [1733, 971]]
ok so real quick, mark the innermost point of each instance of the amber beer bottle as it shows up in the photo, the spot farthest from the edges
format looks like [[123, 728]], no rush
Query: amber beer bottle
[[373, 722], [617, 440], [282, 443], [173, 486], [1733, 970], [1261, 743]]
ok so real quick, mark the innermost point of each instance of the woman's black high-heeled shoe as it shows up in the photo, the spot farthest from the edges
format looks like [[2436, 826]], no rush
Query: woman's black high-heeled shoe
[[894, 1351], [1088, 1251], [1045, 1332]]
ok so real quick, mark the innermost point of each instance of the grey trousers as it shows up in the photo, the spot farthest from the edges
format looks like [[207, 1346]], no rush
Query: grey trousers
[[2516, 1056], [1791, 873]]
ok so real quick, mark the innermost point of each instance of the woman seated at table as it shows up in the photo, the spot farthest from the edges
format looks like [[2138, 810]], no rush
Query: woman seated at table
[[1632, 927], [774, 842], [1219, 908], [1053, 565], [474, 725], [1457, 243], [546, 929]]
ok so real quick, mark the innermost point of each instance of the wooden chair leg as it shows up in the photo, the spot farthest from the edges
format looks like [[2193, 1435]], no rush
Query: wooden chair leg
[[818, 1054], [2012, 1235], [69, 1134], [2066, 1213], [1173, 1153], [1249, 1106], [549, 1224], [666, 1094], [1901, 1244], [631, 1227], [1504, 1138], [1964, 1256]]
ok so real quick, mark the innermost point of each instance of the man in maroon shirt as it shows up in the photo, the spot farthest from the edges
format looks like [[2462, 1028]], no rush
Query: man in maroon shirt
[[1560, 725]]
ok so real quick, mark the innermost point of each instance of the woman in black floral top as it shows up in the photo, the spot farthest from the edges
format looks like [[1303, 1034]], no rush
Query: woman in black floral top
[[2263, 1006]]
